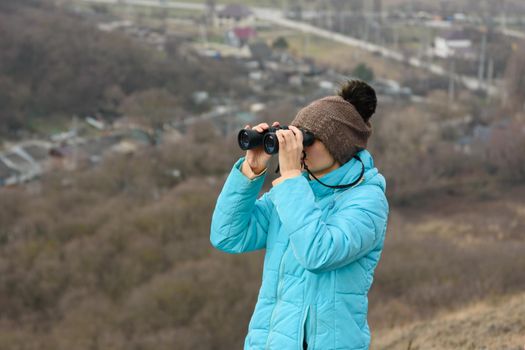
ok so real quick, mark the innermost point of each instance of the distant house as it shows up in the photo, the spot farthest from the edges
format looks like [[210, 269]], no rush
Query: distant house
[[452, 44], [463, 145], [92, 151], [96, 123], [63, 136], [73, 155], [283, 63], [111, 26], [391, 88], [199, 97], [240, 36], [235, 14], [483, 135]]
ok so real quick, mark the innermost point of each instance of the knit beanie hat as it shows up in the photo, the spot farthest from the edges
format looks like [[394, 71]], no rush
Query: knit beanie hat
[[337, 123]]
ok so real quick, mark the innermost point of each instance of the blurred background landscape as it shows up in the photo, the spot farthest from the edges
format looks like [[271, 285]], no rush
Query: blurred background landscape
[[118, 129]]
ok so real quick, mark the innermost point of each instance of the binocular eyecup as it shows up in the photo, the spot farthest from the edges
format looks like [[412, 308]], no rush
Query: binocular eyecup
[[249, 139]]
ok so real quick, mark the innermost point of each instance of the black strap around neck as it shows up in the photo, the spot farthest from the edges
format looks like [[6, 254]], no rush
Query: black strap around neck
[[332, 186]]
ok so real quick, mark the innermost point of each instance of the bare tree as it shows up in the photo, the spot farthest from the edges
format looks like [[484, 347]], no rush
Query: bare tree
[[515, 80]]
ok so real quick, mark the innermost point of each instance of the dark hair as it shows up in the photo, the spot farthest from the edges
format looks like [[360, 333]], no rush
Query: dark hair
[[361, 95]]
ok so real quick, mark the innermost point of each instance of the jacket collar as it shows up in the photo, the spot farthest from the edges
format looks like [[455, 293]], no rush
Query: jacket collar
[[345, 174]]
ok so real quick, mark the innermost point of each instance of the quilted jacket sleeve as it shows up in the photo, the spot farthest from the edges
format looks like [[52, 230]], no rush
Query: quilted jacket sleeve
[[240, 220], [343, 237]]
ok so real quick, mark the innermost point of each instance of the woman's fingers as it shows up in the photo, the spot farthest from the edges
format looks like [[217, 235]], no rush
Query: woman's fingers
[[280, 137], [261, 127], [298, 134], [289, 138]]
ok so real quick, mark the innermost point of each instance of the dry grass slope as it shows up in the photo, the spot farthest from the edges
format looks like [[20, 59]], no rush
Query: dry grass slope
[[497, 324]]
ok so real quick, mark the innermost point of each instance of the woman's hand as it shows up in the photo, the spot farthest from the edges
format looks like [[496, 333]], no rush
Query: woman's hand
[[257, 158], [290, 153]]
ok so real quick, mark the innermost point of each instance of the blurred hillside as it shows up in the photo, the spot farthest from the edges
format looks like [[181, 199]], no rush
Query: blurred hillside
[[54, 64], [488, 325]]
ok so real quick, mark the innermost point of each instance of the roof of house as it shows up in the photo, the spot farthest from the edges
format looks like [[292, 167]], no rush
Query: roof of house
[[244, 32], [235, 11], [455, 35]]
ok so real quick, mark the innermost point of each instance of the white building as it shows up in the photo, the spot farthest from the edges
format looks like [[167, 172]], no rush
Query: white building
[[451, 45]]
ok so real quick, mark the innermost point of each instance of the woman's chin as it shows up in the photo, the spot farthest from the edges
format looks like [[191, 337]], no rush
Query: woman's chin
[[312, 169]]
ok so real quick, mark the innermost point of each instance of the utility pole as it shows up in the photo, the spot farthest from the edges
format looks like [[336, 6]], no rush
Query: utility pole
[[396, 37], [483, 51], [210, 11], [164, 17], [75, 141], [285, 9], [365, 36], [204, 36], [411, 8], [306, 44], [490, 73], [451, 81], [504, 20], [482, 55], [330, 19]]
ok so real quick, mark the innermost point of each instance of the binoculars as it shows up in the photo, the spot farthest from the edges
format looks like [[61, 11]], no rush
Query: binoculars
[[249, 139]]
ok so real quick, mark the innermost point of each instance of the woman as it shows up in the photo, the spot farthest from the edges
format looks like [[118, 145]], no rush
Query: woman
[[323, 228]]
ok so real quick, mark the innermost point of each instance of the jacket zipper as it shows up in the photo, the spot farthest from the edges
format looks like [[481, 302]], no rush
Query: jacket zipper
[[278, 299], [303, 324]]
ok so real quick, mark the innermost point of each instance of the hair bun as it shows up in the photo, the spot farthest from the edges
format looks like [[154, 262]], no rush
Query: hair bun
[[361, 95]]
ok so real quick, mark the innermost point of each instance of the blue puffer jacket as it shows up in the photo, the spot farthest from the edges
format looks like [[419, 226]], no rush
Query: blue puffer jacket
[[322, 246]]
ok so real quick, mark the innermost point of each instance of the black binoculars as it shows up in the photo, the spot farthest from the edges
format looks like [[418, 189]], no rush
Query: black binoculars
[[249, 139]]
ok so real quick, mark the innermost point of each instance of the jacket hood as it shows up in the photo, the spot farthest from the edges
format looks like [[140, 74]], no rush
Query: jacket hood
[[348, 173]]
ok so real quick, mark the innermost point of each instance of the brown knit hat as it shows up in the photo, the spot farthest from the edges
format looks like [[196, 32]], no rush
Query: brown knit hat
[[338, 124]]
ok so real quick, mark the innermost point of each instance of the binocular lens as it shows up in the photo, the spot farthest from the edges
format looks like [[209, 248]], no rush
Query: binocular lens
[[244, 140], [271, 144]]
